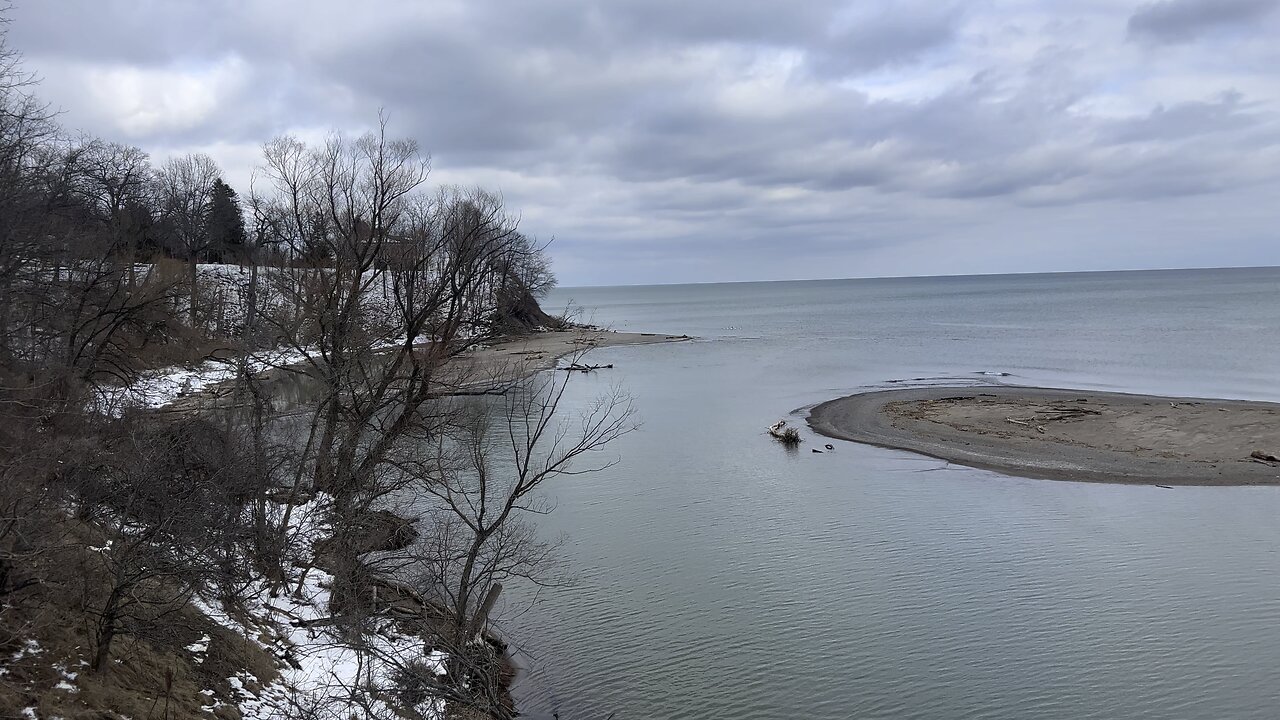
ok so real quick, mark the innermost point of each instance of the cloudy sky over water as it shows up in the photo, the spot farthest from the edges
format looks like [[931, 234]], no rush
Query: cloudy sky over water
[[678, 140]]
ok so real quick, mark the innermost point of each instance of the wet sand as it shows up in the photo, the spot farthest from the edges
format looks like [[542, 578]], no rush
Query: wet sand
[[541, 350], [1068, 434]]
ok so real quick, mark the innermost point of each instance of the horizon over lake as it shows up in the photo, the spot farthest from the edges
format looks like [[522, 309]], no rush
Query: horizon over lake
[[560, 289]]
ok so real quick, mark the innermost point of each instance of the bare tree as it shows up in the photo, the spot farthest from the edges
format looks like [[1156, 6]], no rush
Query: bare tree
[[381, 288], [26, 127], [482, 486], [389, 288], [184, 189], [113, 181], [169, 498], [78, 306]]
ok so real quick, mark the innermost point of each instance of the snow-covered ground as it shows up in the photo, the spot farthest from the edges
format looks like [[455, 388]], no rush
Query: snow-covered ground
[[158, 388], [316, 667], [327, 669]]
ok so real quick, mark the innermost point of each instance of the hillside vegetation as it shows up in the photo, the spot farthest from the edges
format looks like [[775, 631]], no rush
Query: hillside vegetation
[[335, 557]]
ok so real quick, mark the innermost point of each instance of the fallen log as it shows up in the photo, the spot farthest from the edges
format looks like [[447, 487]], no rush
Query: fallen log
[[1016, 421], [586, 368]]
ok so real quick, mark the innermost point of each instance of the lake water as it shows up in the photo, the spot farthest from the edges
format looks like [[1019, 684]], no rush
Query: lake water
[[721, 576]]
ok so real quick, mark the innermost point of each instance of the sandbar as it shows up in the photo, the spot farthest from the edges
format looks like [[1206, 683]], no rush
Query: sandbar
[[1077, 435]]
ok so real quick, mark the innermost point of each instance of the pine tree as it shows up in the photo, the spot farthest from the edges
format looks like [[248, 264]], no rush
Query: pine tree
[[227, 236]]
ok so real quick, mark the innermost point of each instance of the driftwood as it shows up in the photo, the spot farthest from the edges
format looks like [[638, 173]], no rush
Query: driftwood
[[1027, 423], [1264, 457], [1052, 414], [586, 368], [789, 436], [501, 390]]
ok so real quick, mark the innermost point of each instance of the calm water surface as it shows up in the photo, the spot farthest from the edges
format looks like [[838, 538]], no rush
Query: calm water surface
[[720, 576]]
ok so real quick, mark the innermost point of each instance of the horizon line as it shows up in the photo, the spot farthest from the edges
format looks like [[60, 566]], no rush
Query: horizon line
[[913, 277]]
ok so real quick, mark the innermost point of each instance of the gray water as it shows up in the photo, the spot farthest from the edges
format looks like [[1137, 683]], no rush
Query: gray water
[[720, 576]]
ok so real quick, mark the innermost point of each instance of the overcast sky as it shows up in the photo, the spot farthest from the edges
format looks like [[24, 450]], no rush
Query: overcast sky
[[679, 140]]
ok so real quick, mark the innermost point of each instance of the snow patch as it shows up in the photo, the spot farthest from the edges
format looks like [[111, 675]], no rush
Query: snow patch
[[312, 661], [199, 648], [29, 648]]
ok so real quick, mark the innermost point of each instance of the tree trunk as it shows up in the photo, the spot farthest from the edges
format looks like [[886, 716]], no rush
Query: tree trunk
[[192, 279], [106, 633]]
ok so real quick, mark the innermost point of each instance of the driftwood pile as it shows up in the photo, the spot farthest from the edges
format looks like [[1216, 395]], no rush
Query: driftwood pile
[[1056, 413]]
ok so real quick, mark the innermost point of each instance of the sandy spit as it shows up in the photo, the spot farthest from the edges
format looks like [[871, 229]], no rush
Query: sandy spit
[[474, 372], [1068, 434]]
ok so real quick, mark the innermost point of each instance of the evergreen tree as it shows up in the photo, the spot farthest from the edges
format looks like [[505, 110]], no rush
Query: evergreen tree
[[227, 236]]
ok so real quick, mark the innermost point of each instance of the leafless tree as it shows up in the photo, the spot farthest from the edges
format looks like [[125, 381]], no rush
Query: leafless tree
[[184, 190], [169, 497], [388, 289], [381, 288], [481, 484], [26, 127], [77, 305], [375, 335], [113, 181]]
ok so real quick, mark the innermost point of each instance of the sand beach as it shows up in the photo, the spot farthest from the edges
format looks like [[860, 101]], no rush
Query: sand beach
[[1068, 434]]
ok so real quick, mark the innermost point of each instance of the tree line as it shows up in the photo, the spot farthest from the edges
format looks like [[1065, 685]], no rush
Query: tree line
[[406, 476]]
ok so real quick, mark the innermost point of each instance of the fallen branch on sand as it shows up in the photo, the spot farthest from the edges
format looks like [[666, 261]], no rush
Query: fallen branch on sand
[[1052, 414], [1260, 456], [1027, 422]]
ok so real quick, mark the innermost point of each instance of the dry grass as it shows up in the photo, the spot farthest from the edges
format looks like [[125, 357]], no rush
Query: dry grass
[[152, 673]]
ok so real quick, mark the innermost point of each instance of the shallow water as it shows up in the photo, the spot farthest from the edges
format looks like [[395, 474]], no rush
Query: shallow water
[[720, 576]]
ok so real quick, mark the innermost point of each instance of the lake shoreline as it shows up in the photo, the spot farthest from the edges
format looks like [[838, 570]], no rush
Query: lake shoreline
[[491, 366], [542, 350], [1075, 435], [494, 364]]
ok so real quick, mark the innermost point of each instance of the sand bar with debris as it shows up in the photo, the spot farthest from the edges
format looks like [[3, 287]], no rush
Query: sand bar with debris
[[1068, 434], [541, 350]]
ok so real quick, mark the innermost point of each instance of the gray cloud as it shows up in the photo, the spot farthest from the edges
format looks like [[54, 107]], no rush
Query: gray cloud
[[667, 140], [887, 36], [1173, 21], [1228, 113]]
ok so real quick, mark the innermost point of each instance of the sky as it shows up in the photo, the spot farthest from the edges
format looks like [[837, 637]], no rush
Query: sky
[[655, 141]]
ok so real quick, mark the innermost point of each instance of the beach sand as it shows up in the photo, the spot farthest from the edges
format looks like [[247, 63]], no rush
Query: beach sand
[[541, 350], [1068, 434], [479, 371]]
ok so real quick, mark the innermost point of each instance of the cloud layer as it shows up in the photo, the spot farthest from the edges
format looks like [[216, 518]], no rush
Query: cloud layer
[[663, 141], [1174, 21]]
